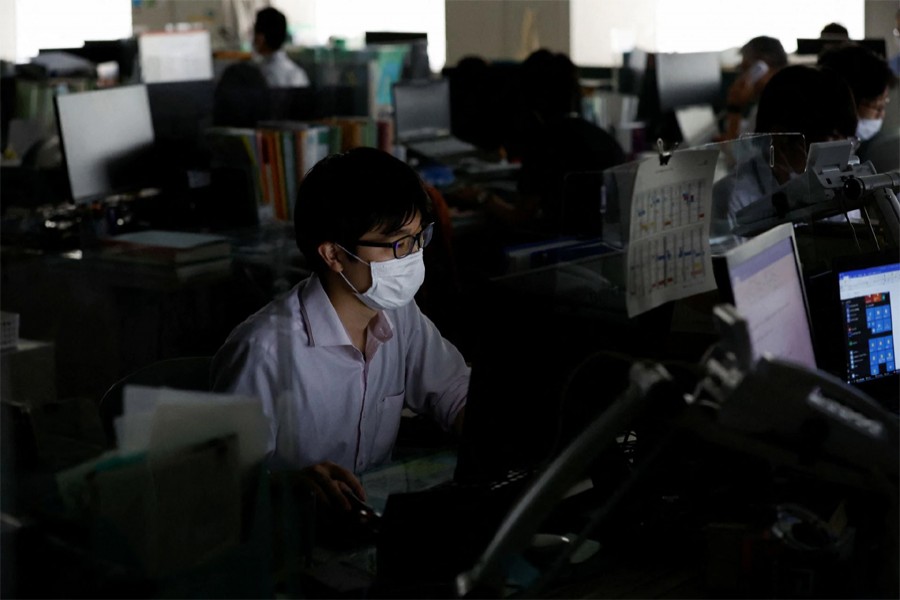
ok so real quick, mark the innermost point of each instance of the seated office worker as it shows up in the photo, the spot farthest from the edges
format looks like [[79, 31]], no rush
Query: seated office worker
[[761, 58], [799, 99], [337, 358], [870, 79], [556, 141], [269, 35]]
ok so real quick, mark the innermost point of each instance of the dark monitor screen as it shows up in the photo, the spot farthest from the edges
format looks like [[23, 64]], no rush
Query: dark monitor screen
[[765, 284], [631, 75], [394, 37], [107, 140], [181, 111], [687, 79], [421, 109], [814, 46], [124, 52]]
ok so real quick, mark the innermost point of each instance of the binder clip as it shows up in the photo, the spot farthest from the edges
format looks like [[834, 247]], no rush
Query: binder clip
[[664, 155]]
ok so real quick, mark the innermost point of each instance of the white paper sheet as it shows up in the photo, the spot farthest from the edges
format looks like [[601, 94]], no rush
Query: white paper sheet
[[158, 420], [668, 255]]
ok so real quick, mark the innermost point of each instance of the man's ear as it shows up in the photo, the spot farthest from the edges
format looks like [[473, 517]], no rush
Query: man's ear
[[329, 252]]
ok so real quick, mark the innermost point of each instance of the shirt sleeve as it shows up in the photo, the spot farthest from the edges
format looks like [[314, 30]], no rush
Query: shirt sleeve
[[242, 367], [437, 377]]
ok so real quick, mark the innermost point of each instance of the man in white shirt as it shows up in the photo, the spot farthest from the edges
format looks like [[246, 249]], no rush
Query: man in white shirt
[[269, 35], [337, 358]]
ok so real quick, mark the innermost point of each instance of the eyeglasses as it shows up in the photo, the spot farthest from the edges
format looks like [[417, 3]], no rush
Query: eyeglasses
[[877, 108], [405, 245]]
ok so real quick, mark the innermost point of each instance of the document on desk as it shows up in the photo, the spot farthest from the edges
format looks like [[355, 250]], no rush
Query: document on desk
[[668, 254], [158, 420], [411, 475]]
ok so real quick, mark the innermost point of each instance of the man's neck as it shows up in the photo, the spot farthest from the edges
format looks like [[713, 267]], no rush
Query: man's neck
[[354, 315]]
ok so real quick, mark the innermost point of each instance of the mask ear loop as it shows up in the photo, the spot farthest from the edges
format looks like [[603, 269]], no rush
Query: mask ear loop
[[344, 277], [365, 262]]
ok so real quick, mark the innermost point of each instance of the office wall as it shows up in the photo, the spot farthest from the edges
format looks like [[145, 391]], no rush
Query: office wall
[[505, 29], [8, 31], [602, 31], [880, 22], [229, 22]]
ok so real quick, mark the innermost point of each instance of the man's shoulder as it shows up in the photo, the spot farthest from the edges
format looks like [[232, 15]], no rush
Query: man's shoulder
[[281, 316]]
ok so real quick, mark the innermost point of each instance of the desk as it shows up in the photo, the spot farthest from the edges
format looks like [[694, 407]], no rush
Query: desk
[[108, 319]]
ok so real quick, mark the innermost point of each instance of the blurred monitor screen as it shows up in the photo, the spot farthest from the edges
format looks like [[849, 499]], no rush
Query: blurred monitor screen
[[421, 109], [175, 56], [107, 140], [686, 79]]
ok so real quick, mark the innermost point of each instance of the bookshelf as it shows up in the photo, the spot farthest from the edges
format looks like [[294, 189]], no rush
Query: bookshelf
[[276, 155]]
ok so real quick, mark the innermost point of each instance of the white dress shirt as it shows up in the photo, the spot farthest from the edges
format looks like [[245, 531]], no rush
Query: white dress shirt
[[324, 399], [281, 72]]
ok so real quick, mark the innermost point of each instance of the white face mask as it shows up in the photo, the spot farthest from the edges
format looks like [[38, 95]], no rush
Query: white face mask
[[394, 282], [867, 128]]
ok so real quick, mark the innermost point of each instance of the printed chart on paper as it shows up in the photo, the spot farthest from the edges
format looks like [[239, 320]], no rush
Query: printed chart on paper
[[668, 253]]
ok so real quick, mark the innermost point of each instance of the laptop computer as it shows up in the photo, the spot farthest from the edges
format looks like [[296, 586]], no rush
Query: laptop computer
[[422, 120]]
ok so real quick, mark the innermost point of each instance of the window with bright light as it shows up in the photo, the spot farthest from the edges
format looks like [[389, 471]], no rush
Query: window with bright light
[[350, 19], [601, 31], [67, 24]]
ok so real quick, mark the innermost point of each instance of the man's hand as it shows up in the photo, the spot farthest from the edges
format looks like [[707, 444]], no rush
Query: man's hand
[[331, 483]]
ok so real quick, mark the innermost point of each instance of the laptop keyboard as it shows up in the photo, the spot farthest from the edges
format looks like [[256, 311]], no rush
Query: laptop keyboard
[[441, 147]]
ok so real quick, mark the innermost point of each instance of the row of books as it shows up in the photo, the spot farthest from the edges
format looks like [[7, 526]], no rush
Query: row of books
[[278, 154]]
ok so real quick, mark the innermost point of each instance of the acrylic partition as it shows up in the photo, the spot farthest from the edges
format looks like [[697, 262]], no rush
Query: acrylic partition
[[748, 172]]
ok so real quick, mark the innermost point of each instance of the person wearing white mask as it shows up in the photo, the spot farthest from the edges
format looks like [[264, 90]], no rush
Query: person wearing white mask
[[337, 358], [870, 79]]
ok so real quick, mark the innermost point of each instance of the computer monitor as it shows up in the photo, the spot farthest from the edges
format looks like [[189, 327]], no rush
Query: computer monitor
[[123, 52], [631, 74], [107, 140], [764, 281], [815, 46], [687, 79], [868, 289], [181, 111], [175, 56], [421, 109], [416, 65]]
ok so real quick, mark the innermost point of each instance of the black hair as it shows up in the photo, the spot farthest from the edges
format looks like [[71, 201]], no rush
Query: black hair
[[809, 100], [550, 83], [835, 30], [242, 96], [346, 195], [767, 49], [867, 74], [272, 24]]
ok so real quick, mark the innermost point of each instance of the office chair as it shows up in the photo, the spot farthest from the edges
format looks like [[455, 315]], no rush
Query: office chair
[[186, 373]]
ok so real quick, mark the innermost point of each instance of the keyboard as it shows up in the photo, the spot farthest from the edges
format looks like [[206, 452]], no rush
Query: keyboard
[[439, 147]]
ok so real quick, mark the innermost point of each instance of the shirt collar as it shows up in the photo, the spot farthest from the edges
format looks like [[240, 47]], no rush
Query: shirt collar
[[323, 325]]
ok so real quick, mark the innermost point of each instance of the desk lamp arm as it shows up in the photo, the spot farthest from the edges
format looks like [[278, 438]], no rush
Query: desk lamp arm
[[522, 521]]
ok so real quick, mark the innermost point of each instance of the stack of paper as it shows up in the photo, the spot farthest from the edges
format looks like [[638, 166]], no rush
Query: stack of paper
[[185, 254]]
